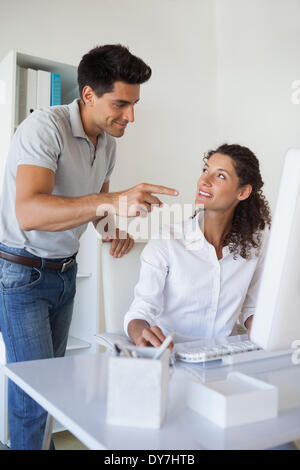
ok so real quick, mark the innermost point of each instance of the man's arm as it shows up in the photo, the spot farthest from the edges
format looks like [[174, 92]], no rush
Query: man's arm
[[104, 189], [38, 209], [121, 242]]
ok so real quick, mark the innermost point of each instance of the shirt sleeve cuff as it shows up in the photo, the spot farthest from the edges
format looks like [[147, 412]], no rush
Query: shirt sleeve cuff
[[49, 165], [245, 315]]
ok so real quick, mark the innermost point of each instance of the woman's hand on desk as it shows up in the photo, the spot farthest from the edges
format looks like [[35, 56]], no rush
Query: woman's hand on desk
[[143, 335]]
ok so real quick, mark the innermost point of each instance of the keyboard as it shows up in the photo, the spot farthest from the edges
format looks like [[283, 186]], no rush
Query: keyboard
[[230, 351]]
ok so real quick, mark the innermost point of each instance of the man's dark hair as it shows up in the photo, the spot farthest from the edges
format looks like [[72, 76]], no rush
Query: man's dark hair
[[104, 65]]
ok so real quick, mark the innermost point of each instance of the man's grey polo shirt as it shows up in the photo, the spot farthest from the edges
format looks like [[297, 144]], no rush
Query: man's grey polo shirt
[[54, 138]]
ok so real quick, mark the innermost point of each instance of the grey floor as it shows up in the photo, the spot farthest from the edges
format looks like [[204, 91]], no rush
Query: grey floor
[[63, 441]]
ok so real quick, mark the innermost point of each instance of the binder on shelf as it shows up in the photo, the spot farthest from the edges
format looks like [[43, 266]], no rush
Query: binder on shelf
[[43, 89], [55, 89], [20, 94], [26, 93], [31, 103]]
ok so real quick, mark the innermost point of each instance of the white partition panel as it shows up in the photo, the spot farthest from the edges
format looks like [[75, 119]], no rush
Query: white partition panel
[[7, 105]]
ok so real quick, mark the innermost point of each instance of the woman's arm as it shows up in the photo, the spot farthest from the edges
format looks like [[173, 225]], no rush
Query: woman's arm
[[140, 322], [252, 293]]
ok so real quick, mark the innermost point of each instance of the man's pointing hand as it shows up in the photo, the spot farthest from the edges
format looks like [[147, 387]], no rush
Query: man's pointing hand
[[135, 201]]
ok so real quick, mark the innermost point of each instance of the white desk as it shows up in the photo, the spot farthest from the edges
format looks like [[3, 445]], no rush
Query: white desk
[[73, 390]]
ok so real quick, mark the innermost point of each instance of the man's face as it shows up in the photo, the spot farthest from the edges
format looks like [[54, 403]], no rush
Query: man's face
[[114, 110]]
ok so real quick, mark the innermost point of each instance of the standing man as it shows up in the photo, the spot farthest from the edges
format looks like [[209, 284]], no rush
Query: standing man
[[56, 180]]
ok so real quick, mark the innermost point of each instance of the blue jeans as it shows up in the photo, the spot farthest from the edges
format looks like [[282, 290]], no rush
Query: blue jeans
[[35, 314]]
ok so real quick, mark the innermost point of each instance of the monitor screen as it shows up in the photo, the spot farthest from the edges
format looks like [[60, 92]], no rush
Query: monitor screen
[[276, 323]]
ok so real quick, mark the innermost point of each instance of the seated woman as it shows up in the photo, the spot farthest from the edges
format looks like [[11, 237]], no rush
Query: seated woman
[[199, 284]]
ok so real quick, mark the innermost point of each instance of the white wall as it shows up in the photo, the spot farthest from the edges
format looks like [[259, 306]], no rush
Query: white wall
[[222, 71], [176, 117], [258, 50]]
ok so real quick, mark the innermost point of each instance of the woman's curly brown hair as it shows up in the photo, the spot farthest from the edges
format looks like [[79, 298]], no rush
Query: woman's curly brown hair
[[251, 215]]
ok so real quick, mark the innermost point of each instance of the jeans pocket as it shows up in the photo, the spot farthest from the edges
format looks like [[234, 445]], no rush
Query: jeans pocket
[[16, 277]]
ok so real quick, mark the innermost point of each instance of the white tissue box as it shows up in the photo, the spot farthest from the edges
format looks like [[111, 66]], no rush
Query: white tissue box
[[137, 389], [239, 399]]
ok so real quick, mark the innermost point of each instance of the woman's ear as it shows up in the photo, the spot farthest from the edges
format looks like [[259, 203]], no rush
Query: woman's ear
[[244, 192]]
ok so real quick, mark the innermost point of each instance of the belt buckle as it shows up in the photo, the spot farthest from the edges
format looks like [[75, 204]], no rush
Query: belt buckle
[[67, 265]]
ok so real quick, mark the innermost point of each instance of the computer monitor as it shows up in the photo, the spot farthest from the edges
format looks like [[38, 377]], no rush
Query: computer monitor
[[276, 323]]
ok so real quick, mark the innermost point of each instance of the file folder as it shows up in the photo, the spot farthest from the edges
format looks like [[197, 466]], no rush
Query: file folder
[[26, 93], [55, 89], [31, 103], [43, 89]]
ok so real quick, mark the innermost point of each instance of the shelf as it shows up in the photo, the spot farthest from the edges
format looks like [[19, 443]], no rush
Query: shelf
[[68, 73], [75, 343], [57, 427], [82, 275]]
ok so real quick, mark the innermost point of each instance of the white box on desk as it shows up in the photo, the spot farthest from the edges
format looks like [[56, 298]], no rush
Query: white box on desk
[[238, 400], [137, 389]]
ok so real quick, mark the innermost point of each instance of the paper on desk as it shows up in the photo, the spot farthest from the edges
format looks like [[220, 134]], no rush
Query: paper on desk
[[109, 339]]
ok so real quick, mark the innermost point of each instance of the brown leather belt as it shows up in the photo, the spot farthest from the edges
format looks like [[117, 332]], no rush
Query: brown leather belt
[[37, 262]]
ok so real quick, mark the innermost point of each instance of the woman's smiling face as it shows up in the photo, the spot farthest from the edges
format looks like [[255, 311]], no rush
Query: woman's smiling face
[[218, 187]]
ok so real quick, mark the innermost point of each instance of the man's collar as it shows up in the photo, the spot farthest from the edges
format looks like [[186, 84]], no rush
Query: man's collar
[[75, 119]]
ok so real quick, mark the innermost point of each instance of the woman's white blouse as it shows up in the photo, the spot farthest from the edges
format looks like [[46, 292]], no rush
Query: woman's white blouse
[[184, 287]]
